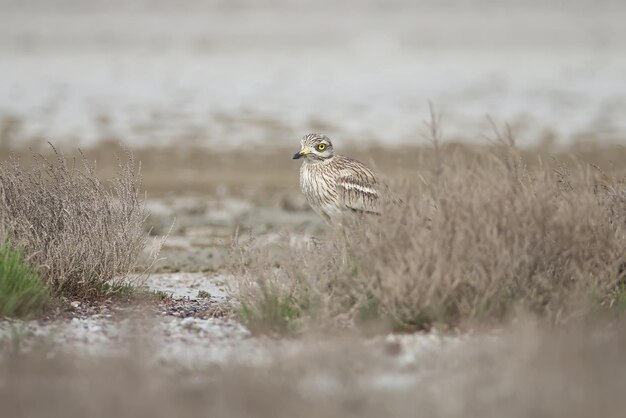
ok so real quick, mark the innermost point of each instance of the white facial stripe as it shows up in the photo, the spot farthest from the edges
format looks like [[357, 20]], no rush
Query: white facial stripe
[[362, 189]]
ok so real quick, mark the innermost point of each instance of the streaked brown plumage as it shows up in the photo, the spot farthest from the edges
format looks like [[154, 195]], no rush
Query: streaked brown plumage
[[335, 185]]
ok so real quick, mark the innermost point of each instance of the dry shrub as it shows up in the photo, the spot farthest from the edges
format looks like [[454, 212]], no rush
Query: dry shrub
[[77, 230], [485, 237], [480, 237]]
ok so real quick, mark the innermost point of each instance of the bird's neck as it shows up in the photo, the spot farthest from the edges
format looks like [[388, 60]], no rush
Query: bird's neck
[[314, 161]]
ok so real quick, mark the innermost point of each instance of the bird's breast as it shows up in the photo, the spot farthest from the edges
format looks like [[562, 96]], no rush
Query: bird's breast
[[318, 185]]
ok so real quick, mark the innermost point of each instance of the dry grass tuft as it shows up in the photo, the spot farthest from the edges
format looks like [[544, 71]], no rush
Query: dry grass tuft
[[482, 237], [481, 240], [78, 231]]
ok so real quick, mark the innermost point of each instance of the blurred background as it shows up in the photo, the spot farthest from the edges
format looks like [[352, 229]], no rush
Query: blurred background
[[227, 73], [212, 98]]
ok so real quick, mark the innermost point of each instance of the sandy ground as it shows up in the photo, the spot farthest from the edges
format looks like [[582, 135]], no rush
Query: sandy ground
[[182, 339], [196, 260], [191, 331]]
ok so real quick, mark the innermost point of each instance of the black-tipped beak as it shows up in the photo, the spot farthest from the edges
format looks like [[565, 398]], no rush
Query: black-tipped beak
[[303, 151]]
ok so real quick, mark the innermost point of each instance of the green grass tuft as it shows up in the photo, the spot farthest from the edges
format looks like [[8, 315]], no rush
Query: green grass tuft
[[119, 290], [22, 291], [276, 310]]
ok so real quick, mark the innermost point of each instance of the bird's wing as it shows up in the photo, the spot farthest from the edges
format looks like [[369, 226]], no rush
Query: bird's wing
[[359, 194]]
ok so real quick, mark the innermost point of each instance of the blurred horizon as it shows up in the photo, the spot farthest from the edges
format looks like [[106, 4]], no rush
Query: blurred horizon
[[238, 72]]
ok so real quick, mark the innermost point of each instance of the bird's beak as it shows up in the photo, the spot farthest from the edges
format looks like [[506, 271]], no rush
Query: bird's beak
[[303, 151]]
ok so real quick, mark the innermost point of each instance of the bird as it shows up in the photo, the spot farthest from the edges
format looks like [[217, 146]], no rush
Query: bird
[[338, 187]]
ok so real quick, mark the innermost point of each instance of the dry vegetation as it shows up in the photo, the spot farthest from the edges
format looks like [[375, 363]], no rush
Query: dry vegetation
[[487, 231], [76, 230], [482, 237], [487, 234]]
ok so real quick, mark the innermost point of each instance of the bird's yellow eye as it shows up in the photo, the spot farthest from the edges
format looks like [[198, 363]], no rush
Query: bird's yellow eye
[[321, 147]]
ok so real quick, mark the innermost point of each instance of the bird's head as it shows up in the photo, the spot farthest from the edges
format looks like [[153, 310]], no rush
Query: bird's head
[[315, 147]]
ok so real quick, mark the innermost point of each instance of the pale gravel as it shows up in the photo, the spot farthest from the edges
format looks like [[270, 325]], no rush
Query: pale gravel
[[193, 343]]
